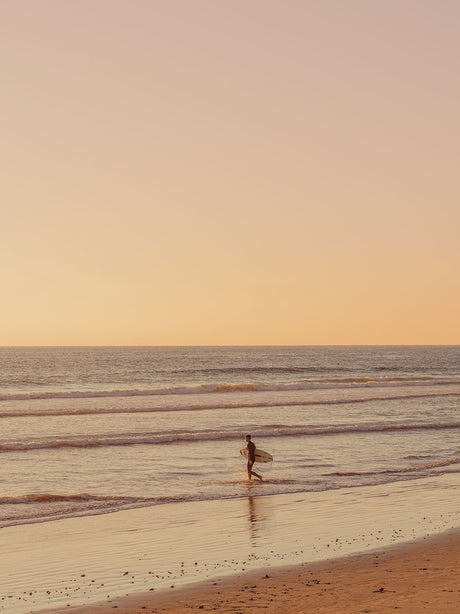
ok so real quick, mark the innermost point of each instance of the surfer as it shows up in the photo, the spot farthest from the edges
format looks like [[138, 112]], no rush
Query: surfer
[[251, 458]]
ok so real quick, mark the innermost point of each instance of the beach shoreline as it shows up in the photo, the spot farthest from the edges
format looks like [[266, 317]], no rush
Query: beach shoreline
[[94, 561], [418, 576]]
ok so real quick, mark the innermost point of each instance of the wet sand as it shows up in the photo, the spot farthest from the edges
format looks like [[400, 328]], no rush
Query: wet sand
[[423, 576], [216, 554]]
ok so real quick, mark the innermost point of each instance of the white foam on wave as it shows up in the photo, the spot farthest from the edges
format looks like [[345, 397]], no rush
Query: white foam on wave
[[130, 439], [416, 468], [319, 384], [40, 508], [76, 411], [57, 498]]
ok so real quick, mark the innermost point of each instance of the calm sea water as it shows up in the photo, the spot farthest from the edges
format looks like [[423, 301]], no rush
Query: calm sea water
[[93, 430]]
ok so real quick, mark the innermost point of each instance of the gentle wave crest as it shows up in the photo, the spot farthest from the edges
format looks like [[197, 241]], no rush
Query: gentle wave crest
[[82, 411], [45, 507], [55, 498], [434, 465], [191, 436], [319, 384]]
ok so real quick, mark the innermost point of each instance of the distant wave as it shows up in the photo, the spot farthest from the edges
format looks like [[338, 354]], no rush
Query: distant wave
[[82, 411], [319, 384], [260, 370], [130, 439]]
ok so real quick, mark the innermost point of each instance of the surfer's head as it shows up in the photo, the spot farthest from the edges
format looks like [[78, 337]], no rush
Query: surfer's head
[[248, 437]]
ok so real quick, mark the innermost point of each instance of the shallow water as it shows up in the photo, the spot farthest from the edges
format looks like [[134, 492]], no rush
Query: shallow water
[[83, 560], [92, 430]]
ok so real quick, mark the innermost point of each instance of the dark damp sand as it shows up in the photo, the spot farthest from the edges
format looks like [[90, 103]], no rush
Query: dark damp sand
[[421, 576]]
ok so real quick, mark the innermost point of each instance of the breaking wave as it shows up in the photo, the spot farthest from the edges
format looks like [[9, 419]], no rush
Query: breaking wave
[[55, 498], [80, 411], [319, 384]]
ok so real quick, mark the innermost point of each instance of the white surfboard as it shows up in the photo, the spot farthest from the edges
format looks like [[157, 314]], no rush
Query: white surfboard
[[260, 455]]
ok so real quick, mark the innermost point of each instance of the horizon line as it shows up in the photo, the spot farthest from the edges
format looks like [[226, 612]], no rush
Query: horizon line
[[234, 345]]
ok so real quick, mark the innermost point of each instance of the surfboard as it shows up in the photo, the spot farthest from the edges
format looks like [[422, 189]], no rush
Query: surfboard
[[261, 455]]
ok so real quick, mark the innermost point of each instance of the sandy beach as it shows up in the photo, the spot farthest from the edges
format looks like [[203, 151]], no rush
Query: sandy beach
[[399, 537], [423, 576]]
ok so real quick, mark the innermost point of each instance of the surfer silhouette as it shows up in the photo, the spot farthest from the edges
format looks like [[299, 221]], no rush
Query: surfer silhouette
[[251, 458]]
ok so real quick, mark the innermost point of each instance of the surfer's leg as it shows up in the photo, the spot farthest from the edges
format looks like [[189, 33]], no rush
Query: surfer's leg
[[251, 472]]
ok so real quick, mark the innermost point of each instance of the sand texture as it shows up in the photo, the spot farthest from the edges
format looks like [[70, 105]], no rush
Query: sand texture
[[217, 553], [417, 577]]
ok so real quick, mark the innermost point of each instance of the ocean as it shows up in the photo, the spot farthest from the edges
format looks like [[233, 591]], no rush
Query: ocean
[[93, 430]]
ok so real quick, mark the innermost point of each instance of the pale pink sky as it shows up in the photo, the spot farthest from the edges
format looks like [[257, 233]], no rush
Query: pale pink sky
[[241, 172]]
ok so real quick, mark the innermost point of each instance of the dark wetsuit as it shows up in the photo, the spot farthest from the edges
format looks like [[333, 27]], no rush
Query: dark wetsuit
[[251, 455]]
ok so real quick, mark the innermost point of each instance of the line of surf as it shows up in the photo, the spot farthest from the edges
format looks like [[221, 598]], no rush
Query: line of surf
[[83, 411], [230, 434], [318, 384], [59, 498], [88, 505], [416, 468]]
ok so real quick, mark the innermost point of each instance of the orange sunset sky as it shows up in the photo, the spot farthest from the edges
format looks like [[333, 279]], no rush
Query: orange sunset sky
[[230, 172]]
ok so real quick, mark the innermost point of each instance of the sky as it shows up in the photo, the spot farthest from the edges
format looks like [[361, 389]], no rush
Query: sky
[[202, 172]]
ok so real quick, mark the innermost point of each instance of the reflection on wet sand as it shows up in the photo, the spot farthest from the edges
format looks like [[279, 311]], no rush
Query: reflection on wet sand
[[260, 511]]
